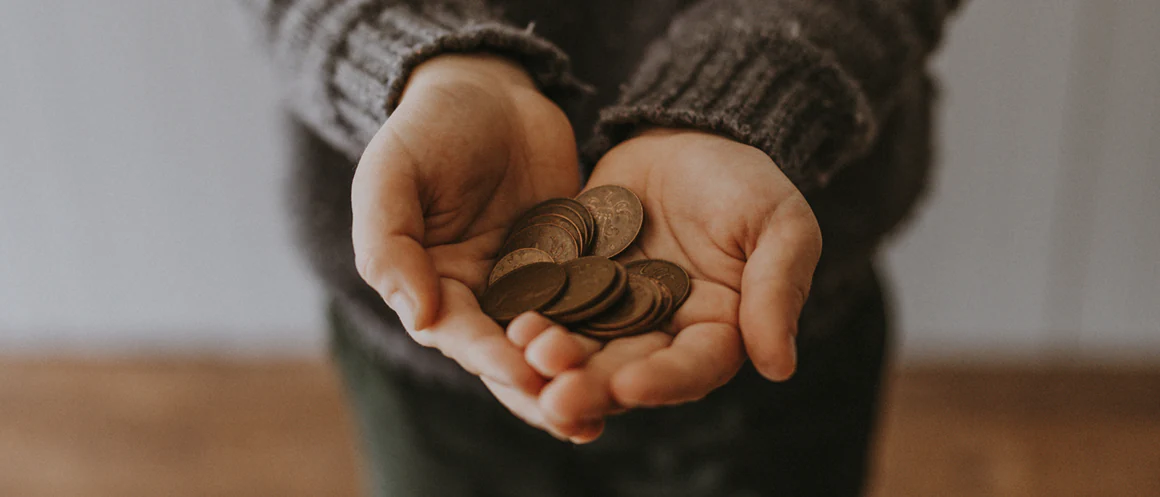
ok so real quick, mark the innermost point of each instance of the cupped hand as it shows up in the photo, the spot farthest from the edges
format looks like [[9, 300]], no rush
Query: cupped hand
[[749, 241], [472, 144]]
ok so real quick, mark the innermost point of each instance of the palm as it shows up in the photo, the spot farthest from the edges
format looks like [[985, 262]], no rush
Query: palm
[[513, 155], [683, 226], [709, 204], [471, 145], [692, 223]]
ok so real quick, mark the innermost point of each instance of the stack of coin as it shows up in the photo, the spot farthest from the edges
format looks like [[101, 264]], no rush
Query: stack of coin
[[557, 260]]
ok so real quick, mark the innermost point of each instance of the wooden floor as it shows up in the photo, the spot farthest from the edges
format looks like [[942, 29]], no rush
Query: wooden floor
[[209, 428]]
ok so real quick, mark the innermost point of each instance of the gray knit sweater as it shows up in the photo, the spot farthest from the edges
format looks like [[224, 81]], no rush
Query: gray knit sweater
[[835, 91]]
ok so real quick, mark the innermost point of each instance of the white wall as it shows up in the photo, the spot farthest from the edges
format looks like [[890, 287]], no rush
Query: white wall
[[1041, 240], [141, 174], [141, 182]]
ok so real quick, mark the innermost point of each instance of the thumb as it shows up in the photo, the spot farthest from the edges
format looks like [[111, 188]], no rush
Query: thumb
[[387, 232], [774, 286]]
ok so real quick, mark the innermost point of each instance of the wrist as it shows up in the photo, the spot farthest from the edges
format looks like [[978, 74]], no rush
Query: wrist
[[674, 137], [664, 132], [483, 69], [650, 146]]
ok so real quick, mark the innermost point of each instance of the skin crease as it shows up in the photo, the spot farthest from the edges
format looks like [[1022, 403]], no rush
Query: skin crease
[[456, 164], [472, 145]]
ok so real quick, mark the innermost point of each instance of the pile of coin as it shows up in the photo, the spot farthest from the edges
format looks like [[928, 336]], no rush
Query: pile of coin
[[558, 260]]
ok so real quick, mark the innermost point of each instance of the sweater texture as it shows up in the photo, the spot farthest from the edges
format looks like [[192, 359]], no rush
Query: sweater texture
[[836, 92]]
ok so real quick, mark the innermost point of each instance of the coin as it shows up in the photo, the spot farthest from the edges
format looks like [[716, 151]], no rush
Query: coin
[[573, 230], [584, 218], [551, 239], [528, 288], [588, 279], [586, 289], [643, 322], [603, 302], [619, 217], [668, 304], [570, 209], [516, 259], [661, 304], [658, 314], [636, 304], [667, 273], [575, 219]]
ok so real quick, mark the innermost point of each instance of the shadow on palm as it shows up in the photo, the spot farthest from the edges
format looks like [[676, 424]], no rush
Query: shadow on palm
[[726, 213]]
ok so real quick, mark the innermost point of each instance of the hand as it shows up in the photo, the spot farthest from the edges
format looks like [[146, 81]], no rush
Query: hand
[[750, 242], [471, 145]]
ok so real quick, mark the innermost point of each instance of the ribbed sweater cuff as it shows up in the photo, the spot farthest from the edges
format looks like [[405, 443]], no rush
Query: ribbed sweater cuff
[[372, 67], [775, 92]]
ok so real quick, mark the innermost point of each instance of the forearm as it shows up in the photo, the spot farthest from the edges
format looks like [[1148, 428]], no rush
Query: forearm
[[345, 63], [808, 82]]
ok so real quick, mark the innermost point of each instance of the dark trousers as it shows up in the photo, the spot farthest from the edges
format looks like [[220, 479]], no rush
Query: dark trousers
[[804, 437]]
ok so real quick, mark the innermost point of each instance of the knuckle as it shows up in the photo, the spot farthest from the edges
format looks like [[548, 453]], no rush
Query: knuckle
[[374, 265], [368, 266], [808, 230], [425, 338], [555, 336], [631, 393], [798, 294], [814, 239]]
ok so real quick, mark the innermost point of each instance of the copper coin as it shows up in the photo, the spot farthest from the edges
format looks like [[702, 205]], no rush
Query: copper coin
[[619, 217], [528, 288], [662, 301], [603, 302], [551, 239], [636, 304], [575, 219], [581, 215], [588, 279], [656, 316], [516, 259], [668, 305], [668, 274], [574, 231], [570, 209]]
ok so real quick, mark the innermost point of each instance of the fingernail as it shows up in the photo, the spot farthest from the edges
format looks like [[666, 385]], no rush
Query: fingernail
[[402, 306]]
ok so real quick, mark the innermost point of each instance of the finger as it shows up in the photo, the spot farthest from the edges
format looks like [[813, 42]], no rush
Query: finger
[[526, 327], [702, 358], [588, 432], [387, 232], [774, 287], [524, 406], [468, 336], [585, 394], [470, 263], [520, 404], [557, 350]]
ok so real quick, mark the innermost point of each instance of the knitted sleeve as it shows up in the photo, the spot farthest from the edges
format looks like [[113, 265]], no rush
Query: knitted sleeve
[[807, 81], [346, 61]]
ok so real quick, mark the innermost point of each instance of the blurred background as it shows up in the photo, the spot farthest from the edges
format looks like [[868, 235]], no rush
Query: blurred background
[[157, 329]]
